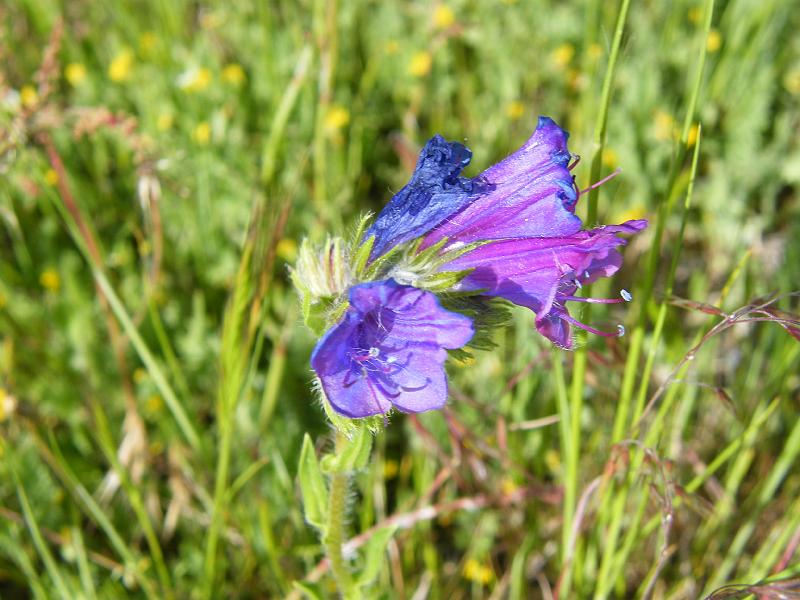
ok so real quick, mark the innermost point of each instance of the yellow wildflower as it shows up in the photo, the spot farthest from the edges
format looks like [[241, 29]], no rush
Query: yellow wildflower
[[390, 469], [50, 280], [120, 67], [165, 121], [695, 14], [691, 139], [664, 126], [202, 133], [508, 486], [392, 47], [286, 250], [75, 73], [50, 177], [194, 80], [420, 64], [443, 16], [515, 110], [595, 51], [610, 158], [28, 96], [714, 41], [4, 412], [791, 81], [631, 214], [475, 571], [147, 42], [154, 404], [233, 74], [336, 118], [563, 54], [553, 460]]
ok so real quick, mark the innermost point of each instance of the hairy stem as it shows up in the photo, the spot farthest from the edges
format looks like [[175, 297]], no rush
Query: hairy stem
[[334, 536]]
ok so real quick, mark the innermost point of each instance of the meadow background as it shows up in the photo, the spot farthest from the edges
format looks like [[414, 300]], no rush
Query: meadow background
[[161, 161]]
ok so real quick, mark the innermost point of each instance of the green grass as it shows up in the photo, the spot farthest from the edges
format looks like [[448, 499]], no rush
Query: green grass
[[160, 163]]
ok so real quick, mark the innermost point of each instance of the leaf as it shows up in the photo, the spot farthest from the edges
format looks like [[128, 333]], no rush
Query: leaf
[[374, 553], [312, 485]]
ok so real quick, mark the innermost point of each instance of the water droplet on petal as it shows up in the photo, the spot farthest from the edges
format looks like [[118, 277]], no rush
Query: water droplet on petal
[[578, 284], [620, 330], [626, 295]]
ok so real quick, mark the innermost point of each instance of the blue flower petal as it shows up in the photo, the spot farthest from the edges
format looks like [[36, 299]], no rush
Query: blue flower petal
[[388, 350], [436, 191]]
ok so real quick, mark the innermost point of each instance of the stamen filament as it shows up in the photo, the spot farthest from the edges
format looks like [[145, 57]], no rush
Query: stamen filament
[[619, 333], [605, 179], [594, 300]]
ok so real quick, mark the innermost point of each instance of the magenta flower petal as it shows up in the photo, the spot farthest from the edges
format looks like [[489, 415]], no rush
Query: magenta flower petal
[[388, 350], [529, 194], [544, 273]]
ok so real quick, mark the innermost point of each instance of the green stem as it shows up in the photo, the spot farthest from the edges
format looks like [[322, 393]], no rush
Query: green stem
[[334, 535], [569, 460]]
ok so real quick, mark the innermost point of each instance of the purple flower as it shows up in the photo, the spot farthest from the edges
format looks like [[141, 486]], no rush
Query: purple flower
[[543, 274], [524, 206], [388, 350]]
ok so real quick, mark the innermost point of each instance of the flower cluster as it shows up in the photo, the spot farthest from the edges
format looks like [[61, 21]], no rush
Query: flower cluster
[[511, 233]]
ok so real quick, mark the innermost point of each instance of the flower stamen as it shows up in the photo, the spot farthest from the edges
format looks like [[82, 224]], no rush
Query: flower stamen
[[569, 319], [597, 184], [626, 297], [593, 300]]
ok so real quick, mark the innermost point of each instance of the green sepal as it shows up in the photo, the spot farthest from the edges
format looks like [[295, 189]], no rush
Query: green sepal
[[422, 257], [312, 486], [361, 256], [442, 281], [378, 268], [359, 230], [454, 253], [374, 553], [487, 314]]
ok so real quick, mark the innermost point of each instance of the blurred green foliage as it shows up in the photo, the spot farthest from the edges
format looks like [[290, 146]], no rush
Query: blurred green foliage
[[202, 141]]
